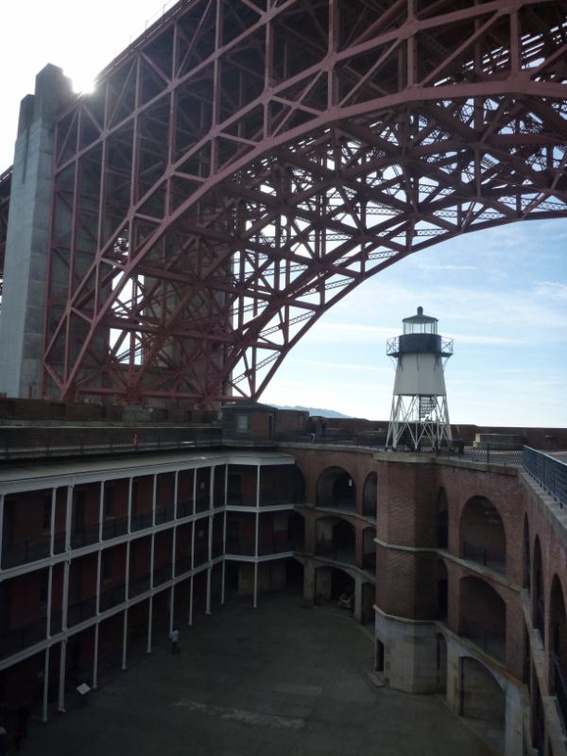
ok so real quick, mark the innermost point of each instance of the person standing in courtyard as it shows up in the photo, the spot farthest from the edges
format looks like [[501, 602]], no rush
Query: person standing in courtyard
[[174, 638]]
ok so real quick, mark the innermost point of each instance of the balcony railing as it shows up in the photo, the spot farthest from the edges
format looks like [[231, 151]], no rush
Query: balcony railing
[[114, 527], [140, 584], [183, 564], [493, 560], [184, 509], [164, 514], [162, 574], [336, 554], [492, 644], [142, 520], [549, 472], [111, 597], [79, 611], [31, 550], [264, 549], [22, 443], [12, 641], [85, 536]]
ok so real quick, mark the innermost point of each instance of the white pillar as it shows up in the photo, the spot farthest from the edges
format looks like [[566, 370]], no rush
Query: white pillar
[[154, 500], [223, 579], [150, 617], [195, 471], [62, 662], [152, 555], [190, 622], [45, 685], [175, 493], [98, 580], [130, 488], [171, 608], [49, 599], [52, 521], [256, 537], [68, 517], [127, 572], [65, 596], [101, 511], [208, 606], [125, 640], [95, 656]]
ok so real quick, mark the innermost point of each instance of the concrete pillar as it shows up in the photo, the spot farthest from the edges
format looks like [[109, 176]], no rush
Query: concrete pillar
[[309, 582], [27, 240], [357, 613]]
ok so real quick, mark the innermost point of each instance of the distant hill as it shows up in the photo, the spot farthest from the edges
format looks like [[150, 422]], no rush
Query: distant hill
[[314, 411]]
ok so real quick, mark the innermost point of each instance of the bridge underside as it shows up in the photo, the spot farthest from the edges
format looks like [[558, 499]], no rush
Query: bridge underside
[[247, 163]]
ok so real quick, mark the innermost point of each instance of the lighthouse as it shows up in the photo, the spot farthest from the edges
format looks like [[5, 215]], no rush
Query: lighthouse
[[420, 415]]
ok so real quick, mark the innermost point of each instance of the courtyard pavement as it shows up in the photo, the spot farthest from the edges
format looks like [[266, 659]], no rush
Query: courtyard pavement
[[280, 680]]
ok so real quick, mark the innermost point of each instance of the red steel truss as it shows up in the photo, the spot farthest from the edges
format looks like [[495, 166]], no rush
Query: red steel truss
[[247, 163]]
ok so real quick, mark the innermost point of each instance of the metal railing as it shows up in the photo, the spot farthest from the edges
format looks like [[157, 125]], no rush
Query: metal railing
[[31, 550], [491, 559], [12, 641], [548, 471], [28, 443], [491, 644]]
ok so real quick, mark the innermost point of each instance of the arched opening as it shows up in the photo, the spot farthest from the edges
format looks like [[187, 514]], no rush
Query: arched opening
[[296, 531], [297, 486], [442, 590], [335, 539], [483, 702], [482, 535], [558, 647], [334, 586], [369, 550], [281, 484], [538, 606], [336, 489], [441, 663], [527, 556], [442, 520], [482, 617], [369, 495]]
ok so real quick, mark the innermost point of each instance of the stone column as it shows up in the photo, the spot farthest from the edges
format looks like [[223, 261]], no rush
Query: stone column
[[27, 240]]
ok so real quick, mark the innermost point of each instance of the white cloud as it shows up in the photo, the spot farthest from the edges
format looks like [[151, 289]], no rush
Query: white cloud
[[552, 290]]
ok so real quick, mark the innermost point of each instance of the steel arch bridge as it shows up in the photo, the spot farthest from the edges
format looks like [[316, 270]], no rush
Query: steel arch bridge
[[245, 164]]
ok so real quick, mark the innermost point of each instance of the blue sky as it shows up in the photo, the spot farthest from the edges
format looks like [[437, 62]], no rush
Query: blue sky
[[501, 294]]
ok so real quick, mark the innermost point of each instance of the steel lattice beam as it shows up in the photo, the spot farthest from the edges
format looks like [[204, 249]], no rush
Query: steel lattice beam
[[247, 163]]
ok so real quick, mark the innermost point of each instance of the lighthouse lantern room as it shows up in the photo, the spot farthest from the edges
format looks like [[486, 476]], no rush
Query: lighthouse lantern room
[[420, 415]]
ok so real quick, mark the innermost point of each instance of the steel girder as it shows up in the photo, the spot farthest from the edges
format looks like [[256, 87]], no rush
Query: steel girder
[[247, 163]]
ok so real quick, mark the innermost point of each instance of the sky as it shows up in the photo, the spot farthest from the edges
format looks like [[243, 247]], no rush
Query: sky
[[501, 294]]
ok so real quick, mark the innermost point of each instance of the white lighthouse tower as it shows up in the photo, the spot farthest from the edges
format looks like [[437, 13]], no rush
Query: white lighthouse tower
[[420, 415]]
